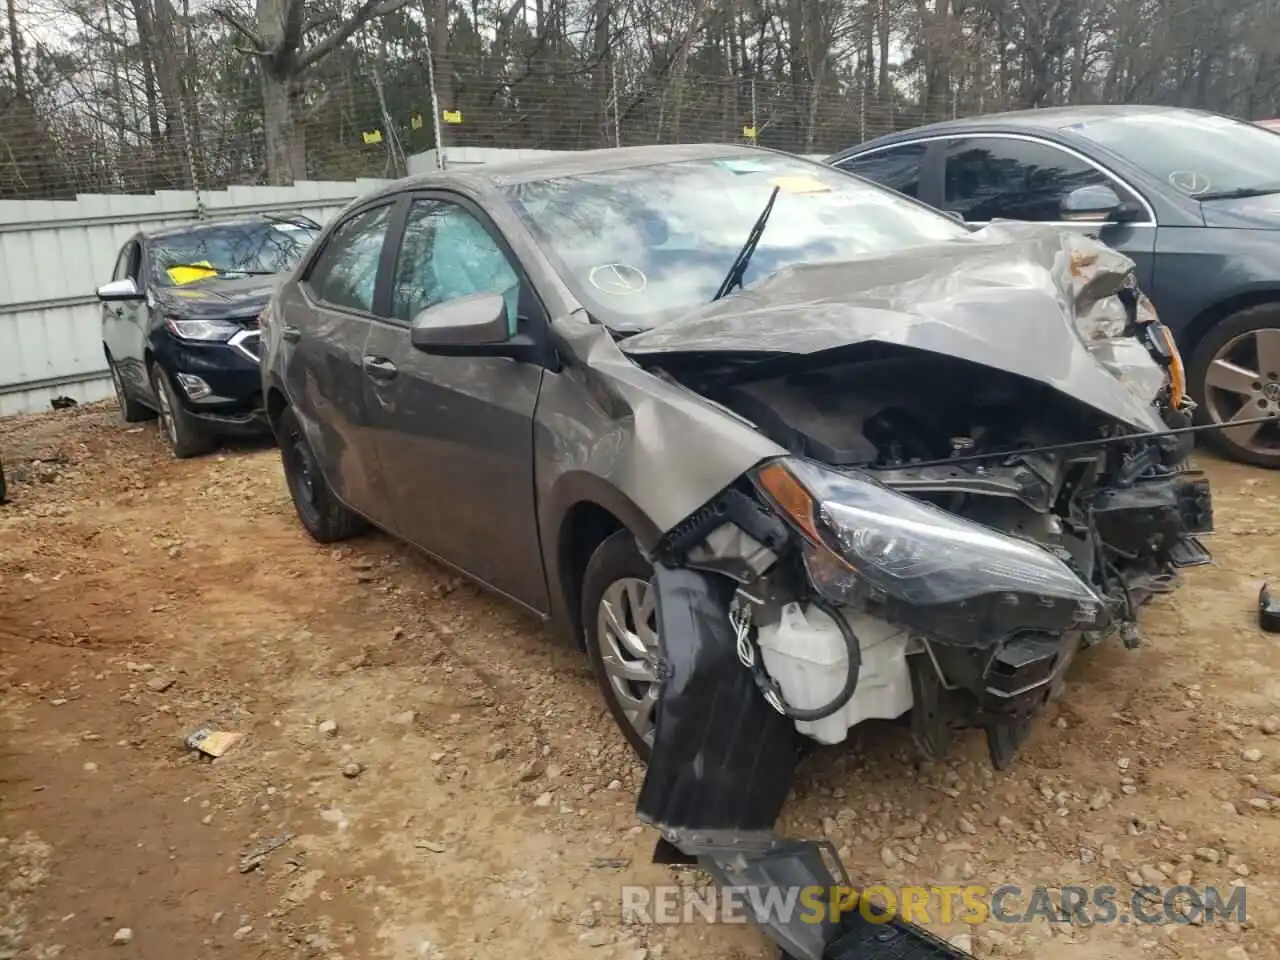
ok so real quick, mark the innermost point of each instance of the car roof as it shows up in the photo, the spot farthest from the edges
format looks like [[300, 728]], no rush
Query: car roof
[[488, 177], [1015, 121], [199, 225]]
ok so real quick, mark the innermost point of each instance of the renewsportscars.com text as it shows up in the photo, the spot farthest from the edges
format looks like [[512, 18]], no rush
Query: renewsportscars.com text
[[974, 904]]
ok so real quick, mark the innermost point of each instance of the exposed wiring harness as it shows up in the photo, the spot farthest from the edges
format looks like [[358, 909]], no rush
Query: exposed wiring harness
[[753, 660]]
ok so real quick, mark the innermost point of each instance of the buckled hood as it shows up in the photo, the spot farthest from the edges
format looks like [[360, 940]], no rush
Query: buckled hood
[[1020, 298]]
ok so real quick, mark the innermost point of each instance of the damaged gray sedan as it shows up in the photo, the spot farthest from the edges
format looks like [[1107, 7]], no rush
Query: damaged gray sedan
[[784, 450]]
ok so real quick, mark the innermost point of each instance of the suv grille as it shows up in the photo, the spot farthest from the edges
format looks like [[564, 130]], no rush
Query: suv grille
[[248, 342]]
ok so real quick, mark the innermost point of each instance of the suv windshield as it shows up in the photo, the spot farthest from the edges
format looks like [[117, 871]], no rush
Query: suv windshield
[[1205, 156], [223, 249], [643, 245]]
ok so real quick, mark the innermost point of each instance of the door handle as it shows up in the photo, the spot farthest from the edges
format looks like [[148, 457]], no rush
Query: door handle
[[380, 368], [291, 334]]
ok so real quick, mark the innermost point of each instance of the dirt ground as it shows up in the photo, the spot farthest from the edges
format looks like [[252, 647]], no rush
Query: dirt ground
[[475, 795]]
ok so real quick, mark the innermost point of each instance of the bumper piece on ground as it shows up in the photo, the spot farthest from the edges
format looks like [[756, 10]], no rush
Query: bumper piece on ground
[[720, 770]]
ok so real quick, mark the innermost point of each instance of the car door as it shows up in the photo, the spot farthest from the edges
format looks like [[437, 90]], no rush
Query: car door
[[123, 323], [988, 177], [455, 434], [326, 319]]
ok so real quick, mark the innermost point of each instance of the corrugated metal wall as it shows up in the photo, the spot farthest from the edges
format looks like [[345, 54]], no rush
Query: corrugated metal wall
[[55, 253]]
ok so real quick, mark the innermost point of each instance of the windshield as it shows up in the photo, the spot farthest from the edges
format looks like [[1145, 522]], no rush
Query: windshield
[[1202, 155], [227, 250], [643, 245]]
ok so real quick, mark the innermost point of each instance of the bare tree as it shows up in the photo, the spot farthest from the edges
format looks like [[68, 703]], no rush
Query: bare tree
[[279, 39]]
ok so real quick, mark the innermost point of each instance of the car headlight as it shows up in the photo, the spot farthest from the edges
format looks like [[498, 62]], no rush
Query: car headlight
[[858, 530], [1162, 338], [209, 331]]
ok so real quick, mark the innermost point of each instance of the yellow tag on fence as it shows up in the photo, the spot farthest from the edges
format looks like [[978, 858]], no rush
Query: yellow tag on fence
[[452, 116], [374, 136]]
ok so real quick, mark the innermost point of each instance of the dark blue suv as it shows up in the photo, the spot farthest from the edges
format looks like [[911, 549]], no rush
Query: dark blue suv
[[1192, 197]]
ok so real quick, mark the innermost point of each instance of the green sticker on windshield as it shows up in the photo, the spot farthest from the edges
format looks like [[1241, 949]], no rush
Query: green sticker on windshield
[[742, 165]]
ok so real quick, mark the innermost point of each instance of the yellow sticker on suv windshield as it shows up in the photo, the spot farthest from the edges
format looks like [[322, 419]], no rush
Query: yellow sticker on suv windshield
[[190, 272], [800, 184]]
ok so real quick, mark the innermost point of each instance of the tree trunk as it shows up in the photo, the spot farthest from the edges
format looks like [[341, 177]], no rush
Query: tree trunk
[[15, 53], [286, 140], [146, 43]]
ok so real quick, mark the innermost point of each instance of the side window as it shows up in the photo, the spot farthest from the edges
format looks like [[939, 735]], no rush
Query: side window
[[1009, 179], [125, 263], [897, 168], [346, 271], [447, 253]]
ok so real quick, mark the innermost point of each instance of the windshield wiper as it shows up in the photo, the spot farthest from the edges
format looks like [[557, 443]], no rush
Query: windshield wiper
[[1240, 193], [297, 220], [743, 259]]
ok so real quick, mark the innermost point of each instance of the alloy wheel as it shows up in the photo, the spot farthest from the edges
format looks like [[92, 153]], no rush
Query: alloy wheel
[[626, 631], [168, 428], [1242, 383]]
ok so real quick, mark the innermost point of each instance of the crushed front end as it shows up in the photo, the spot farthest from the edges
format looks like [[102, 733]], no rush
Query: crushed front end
[[942, 538]]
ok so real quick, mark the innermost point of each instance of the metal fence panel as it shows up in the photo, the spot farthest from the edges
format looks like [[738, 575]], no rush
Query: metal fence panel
[[55, 253]]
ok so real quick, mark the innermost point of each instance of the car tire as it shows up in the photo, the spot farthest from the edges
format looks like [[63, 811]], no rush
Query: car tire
[[617, 579], [1234, 339], [326, 518], [185, 435], [131, 411]]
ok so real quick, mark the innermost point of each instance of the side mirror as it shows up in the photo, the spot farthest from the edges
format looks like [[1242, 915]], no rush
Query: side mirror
[[1094, 202], [117, 290], [471, 326], [478, 320], [955, 215]]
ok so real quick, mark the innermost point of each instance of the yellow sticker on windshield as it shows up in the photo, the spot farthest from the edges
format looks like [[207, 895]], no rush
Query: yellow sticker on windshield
[[190, 272], [800, 185]]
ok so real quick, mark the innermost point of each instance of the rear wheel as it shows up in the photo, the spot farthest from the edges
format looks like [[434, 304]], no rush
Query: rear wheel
[[323, 515], [185, 435], [130, 410], [620, 621], [1234, 374]]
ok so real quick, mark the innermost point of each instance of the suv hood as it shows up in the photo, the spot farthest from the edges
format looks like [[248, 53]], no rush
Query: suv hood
[[218, 299], [1021, 298]]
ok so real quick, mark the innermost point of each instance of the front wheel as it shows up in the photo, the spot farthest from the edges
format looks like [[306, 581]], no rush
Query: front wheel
[[321, 513], [1234, 374], [620, 622], [184, 434]]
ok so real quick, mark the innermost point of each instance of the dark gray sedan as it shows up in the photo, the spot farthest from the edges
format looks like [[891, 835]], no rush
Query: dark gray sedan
[[1192, 197], [784, 451]]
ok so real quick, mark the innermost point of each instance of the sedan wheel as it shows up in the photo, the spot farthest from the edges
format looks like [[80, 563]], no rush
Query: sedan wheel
[[620, 627], [627, 635], [1238, 369]]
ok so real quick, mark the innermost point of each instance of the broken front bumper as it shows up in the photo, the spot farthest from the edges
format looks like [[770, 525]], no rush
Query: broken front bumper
[[720, 770]]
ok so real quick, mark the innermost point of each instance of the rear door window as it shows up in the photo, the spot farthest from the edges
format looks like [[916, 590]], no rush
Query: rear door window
[[346, 272], [897, 168]]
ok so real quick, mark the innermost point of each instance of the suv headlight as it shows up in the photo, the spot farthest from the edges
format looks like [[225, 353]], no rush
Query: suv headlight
[[209, 331], [858, 530]]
